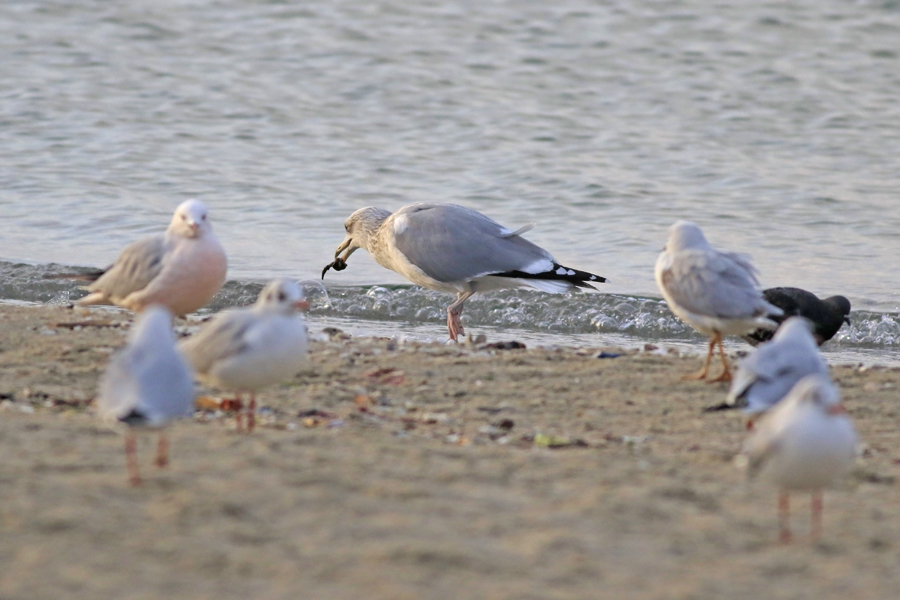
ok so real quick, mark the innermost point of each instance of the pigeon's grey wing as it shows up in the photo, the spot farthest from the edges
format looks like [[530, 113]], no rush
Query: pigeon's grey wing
[[222, 337], [712, 284], [135, 268], [789, 300], [452, 243]]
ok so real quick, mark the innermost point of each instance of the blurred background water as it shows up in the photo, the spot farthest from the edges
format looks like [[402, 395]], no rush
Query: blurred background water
[[775, 126]]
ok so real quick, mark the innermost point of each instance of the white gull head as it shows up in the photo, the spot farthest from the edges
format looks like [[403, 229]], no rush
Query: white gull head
[[191, 220], [684, 235], [281, 296]]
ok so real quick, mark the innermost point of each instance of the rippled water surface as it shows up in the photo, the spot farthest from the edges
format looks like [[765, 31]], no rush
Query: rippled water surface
[[776, 126]]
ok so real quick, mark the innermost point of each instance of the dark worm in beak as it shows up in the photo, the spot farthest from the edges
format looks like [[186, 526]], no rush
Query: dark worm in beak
[[339, 264]]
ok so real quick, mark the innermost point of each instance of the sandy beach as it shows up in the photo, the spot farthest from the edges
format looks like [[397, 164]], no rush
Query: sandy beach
[[415, 471]]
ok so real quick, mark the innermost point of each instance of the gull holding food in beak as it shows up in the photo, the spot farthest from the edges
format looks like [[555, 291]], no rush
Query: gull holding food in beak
[[181, 269], [455, 249]]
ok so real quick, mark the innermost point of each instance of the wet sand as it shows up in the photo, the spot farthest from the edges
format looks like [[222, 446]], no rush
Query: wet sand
[[424, 471]]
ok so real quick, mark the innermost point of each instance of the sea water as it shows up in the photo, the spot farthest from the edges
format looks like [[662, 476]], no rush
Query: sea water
[[775, 126]]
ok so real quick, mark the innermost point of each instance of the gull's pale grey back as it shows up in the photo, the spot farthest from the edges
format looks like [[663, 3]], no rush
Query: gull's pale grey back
[[772, 370], [454, 243], [148, 382]]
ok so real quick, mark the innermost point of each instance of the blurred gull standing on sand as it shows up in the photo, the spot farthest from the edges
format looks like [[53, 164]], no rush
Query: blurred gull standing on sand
[[181, 269], [454, 249], [773, 368], [714, 292], [803, 444], [827, 315], [246, 349], [147, 384]]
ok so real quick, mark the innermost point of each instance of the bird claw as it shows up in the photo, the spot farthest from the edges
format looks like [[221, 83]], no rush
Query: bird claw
[[339, 264]]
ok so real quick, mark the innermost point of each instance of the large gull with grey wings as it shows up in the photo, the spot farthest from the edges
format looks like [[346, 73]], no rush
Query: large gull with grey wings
[[455, 249]]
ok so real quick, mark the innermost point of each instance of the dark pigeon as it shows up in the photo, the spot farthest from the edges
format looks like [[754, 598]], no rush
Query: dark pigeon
[[827, 315]]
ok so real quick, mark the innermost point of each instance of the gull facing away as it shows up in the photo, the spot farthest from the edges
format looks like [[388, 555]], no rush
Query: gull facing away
[[828, 315], [454, 249], [246, 349], [181, 269], [148, 384], [803, 444], [773, 368], [714, 292]]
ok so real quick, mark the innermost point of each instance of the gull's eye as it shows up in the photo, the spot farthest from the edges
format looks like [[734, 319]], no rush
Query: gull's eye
[[184, 217], [281, 296], [203, 217]]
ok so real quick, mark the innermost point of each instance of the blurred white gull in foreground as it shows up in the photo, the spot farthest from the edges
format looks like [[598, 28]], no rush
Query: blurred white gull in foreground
[[147, 384]]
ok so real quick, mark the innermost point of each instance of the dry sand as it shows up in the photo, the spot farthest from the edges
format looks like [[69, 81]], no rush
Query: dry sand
[[429, 481]]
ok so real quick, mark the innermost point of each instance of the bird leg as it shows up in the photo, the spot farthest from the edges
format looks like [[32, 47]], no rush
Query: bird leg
[[238, 412], [162, 450], [726, 372], [251, 414], [134, 477], [701, 374], [784, 517], [454, 325], [815, 529]]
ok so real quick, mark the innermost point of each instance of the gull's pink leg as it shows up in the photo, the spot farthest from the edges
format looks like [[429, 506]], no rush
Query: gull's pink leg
[[815, 530], [726, 372], [251, 416], [134, 477], [784, 517], [162, 450], [239, 412], [454, 324], [701, 374]]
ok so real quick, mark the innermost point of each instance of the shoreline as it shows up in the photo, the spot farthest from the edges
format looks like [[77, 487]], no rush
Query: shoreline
[[414, 470], [835, 352]]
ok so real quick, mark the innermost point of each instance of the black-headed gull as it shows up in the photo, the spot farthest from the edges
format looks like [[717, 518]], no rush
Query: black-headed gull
[[244, 350]]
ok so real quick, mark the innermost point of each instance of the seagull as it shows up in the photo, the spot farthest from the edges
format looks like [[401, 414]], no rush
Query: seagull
[[772, 370], [181, 269], [827, 315], [455, 249], [714, 292], [148, 384], [803, 444], [246, 349]]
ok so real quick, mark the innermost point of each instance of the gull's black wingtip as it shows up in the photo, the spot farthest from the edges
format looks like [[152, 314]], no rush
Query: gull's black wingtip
[[581, 279], [134, 418]]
